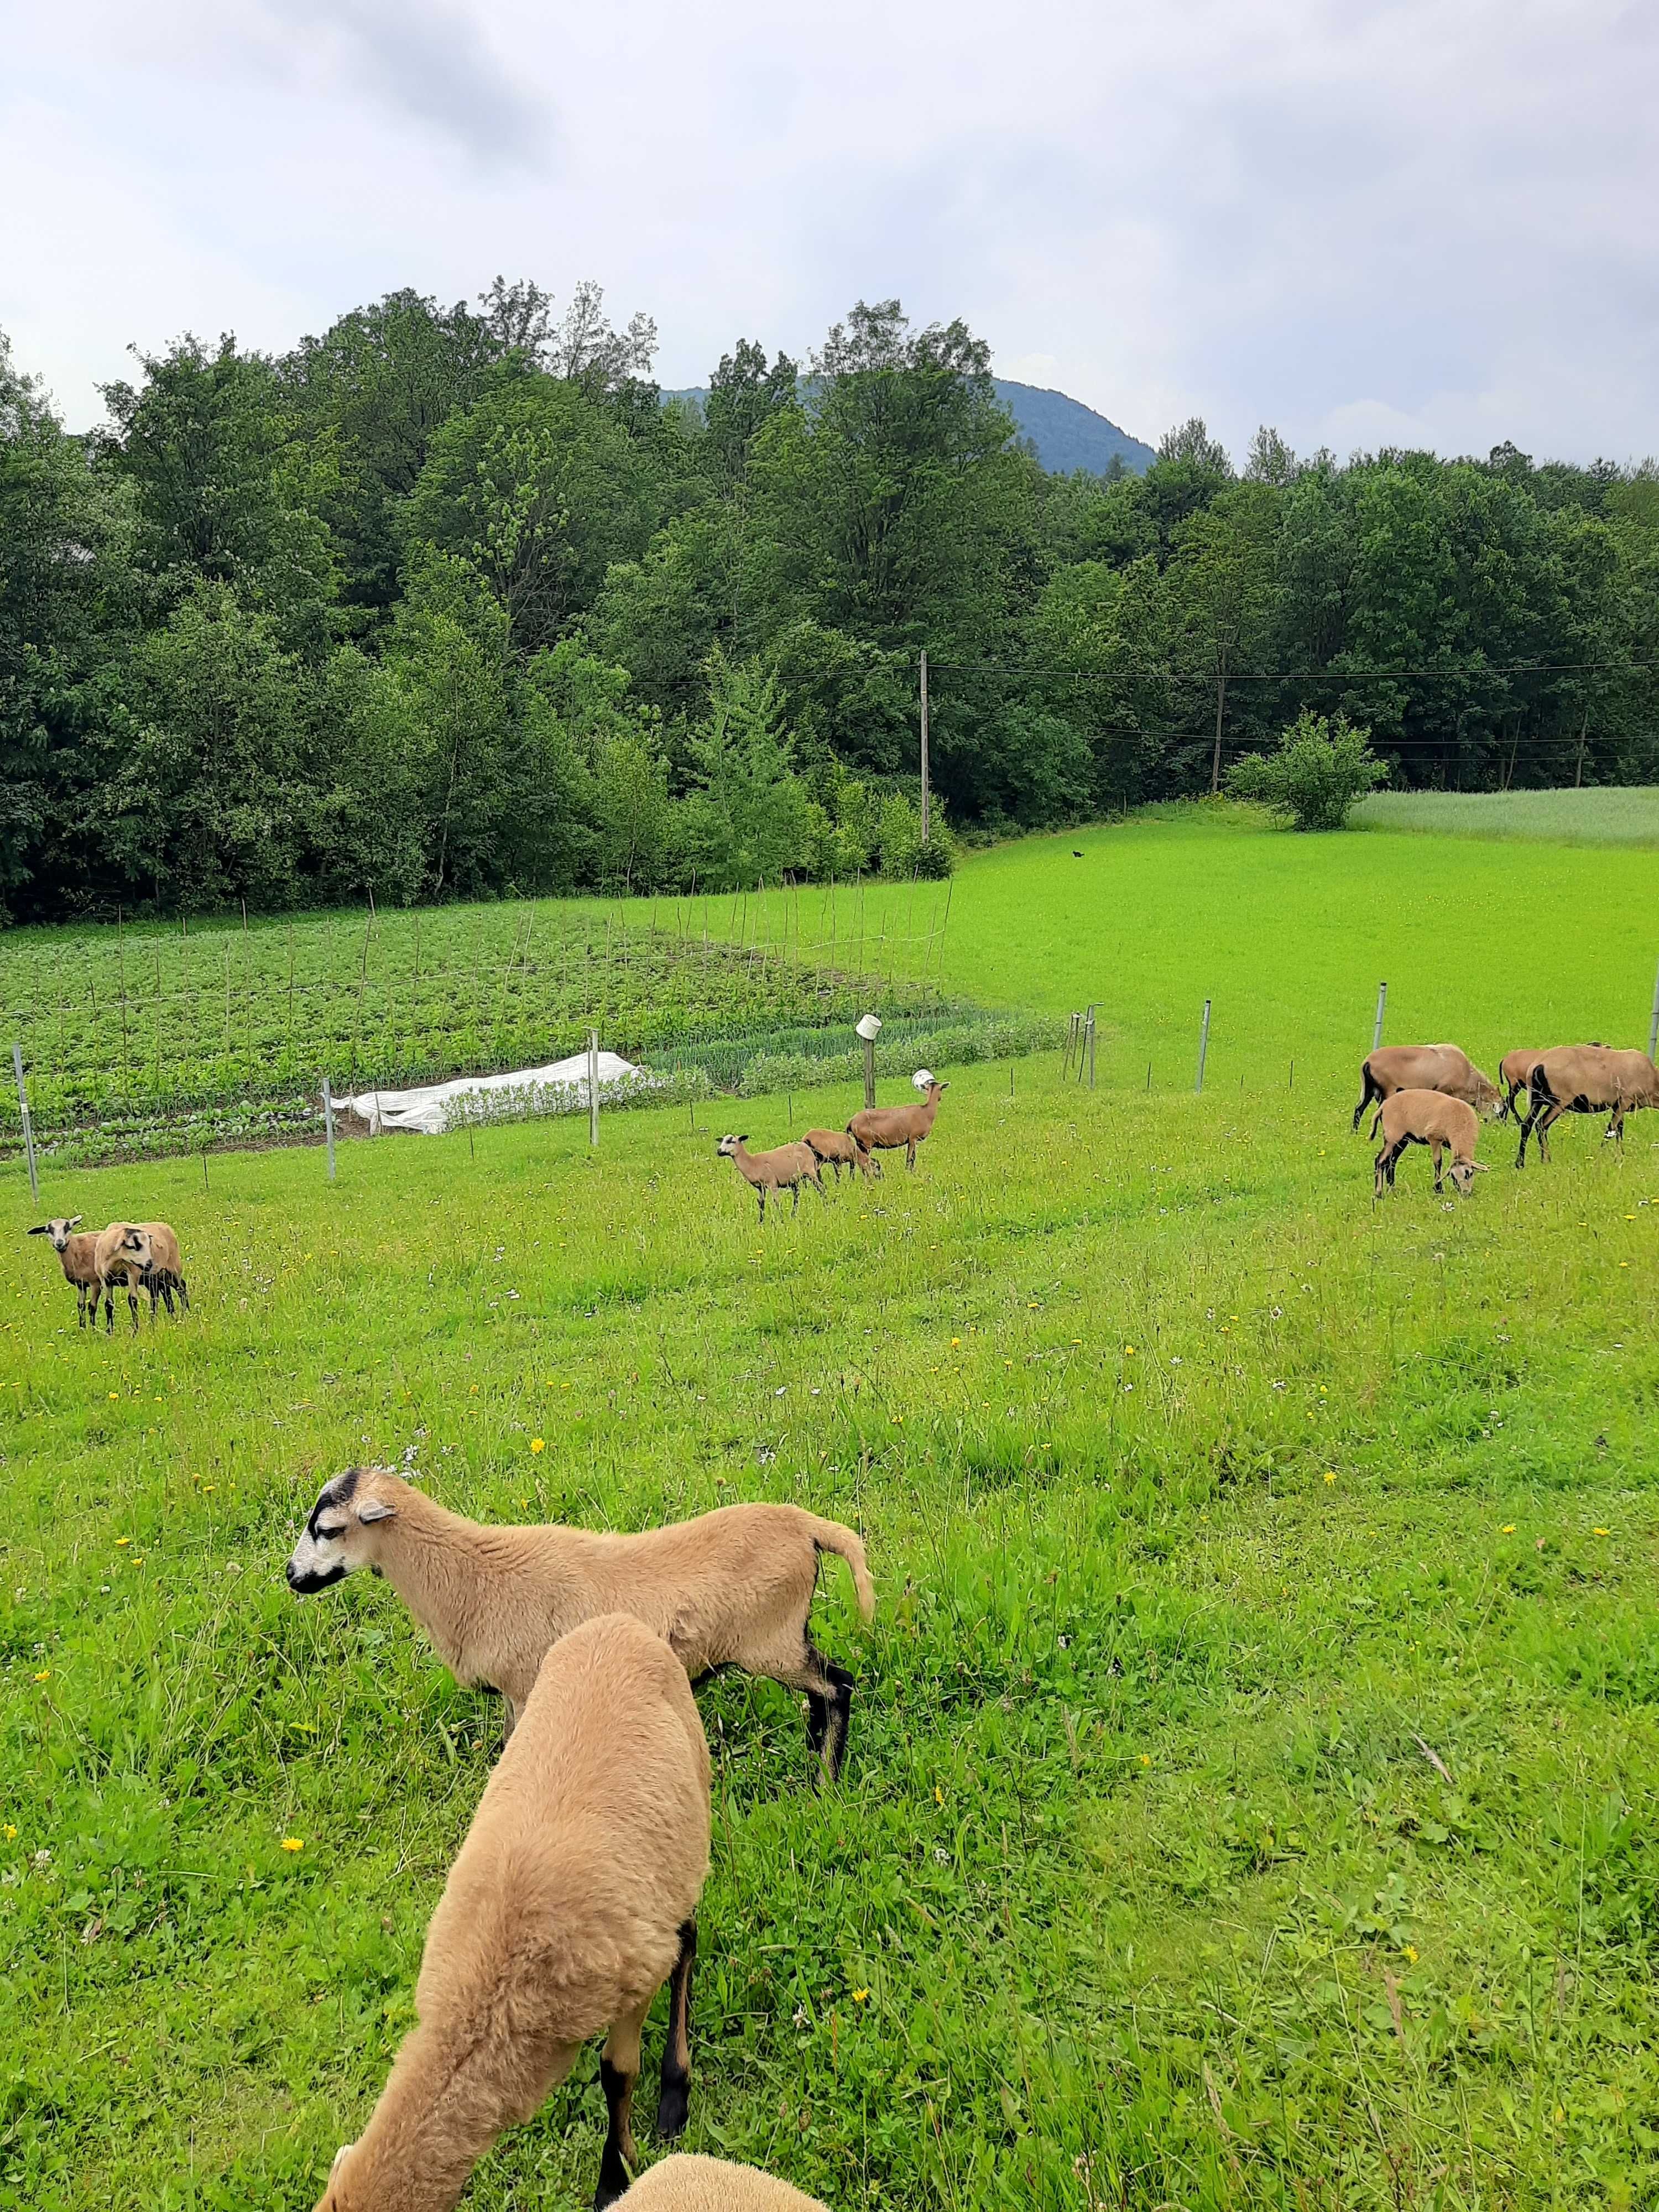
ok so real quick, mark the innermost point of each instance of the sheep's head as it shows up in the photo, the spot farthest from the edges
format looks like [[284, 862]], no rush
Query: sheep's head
[[339, 1535], [136, 1249], [1488, 1098], [59, 1231], [1463, 1173], [727, 1146]]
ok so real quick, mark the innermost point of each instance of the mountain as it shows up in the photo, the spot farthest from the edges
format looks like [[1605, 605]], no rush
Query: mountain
[[1066, 434]]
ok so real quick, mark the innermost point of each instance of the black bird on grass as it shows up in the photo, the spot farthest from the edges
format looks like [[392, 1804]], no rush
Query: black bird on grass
[[1076, 855]]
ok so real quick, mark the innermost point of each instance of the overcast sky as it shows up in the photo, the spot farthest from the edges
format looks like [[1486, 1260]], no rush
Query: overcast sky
[[1429, 223]]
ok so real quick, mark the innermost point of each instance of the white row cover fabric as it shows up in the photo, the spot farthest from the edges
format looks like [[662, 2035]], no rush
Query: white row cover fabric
[[561, 1087]]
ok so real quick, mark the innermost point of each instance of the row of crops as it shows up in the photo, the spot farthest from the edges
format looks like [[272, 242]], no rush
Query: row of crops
[[138, 1039]]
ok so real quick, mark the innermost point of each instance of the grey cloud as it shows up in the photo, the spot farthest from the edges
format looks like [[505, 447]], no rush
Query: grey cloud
[[430, 61]]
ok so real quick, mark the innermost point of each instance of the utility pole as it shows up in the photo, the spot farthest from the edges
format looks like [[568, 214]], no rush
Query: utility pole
[[924, 746], [1222, 644]]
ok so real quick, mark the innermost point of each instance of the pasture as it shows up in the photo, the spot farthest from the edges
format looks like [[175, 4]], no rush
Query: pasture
[[1252, 1776]]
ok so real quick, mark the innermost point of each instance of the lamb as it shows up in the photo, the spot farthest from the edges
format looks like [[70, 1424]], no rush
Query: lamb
[[154, 1245], [138, 1256], [1585, 1079], [835, 1148], [78, 1255], [573, 1899], [732, 1588], [787, 1167], [688, 2184], [1430, 1118], [885, 1129], [1443, 1067]]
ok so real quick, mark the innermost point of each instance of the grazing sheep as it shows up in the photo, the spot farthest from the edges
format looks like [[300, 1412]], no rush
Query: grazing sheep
[[835, 1148], [1585, 1079], [1430, 1118], [1513, 1069], [885, 1129], [1445, 1067], [571, 1901], [155, 1247], [787, 1167], [732, 1588], [79, 1256], [688, 2184], [117, 1266]]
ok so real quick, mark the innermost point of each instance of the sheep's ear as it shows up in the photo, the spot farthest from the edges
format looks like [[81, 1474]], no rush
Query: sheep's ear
[[1479, 1167], [744, 1139], [376, 1509], [75, 1221], [40, 1229]]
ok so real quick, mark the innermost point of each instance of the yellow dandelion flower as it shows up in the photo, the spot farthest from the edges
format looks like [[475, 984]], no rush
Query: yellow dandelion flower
[[1508, 1529], [1602, 1532], [114, 1393], [538, 1444], [955, 1344], [471, 1389], [939, 1795], [1129, 1351], [861, 1997], [45, 1674], [10, 1831], [1330, 1474], [294, 1843], [127, 1540], [1145, 1757], [1409, 1954]]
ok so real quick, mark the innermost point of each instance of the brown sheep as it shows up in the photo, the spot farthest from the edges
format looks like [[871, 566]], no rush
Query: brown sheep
[[154, 1245], [573, 1899], [118, 1267], [1430, 1118], [1513, 1069], [885, 1129], [787, 1167], [835, 1148], [1445, 1067], [688, 2184], [732, 1588], [78, 1255], [1585, 1079]]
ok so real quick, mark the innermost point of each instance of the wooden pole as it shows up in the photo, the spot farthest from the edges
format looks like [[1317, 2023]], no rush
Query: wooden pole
[[870, 1074], [1203, 1045], [28, 1131], [924, 747]]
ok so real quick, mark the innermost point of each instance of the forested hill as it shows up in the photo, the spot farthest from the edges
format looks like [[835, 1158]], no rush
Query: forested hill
[[1064, 434], [445, 603]]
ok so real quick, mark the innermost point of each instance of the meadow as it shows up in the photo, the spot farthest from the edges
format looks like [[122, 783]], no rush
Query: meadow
[[1608, 815], [1252, 1784]]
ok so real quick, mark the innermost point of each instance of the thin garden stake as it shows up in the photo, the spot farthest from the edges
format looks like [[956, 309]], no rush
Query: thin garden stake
[[1382, 1006], [1149, 1075], [592, 1086], [328, 1125], [204, 1178], [1203, 1045], [28, 1131]]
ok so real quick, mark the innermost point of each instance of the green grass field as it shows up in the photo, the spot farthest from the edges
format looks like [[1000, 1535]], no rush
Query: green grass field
[[1599, 817], [1253, 1782]]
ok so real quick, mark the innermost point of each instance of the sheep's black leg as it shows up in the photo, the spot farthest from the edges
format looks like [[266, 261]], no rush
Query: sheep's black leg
[[1438, 1184], [1366, 1095], [1534, 1108], [834, 1747], [817, 1720], [619, 2138], [673, 2104], [1551, 1115], [1615, 1127], [184, 1293], [794, 1192], [167, 1292]]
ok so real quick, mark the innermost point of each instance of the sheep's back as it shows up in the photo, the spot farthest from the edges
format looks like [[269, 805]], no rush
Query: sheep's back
[[688, 2184]]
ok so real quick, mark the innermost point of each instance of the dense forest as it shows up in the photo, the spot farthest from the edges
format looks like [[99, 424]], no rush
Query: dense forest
[[448, 601]]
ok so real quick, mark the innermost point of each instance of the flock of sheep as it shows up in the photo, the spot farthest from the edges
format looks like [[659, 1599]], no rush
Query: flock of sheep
[[129, 1255], [876, 1129], [1432, 1094], [573, 1897]]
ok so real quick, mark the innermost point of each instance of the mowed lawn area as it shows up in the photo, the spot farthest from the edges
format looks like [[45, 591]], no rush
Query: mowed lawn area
[[1255, 1758]]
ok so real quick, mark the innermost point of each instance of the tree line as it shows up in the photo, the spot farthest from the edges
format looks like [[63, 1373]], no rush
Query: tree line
[[447, 602]]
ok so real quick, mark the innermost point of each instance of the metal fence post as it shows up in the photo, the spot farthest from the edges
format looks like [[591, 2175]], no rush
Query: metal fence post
[[1381, 1004], [592, 1086], [1089, 1034], [328, 1125], [1653, 1026], [1203, 1045], [28, 1128]]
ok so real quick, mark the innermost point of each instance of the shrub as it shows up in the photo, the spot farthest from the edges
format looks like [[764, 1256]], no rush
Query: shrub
[[1321, 767]]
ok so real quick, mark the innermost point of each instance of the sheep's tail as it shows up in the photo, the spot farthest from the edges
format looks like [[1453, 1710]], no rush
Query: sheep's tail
[[831, 1536]]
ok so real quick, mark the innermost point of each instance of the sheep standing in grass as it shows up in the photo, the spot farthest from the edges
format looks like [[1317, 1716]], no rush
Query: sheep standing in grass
[[1513, 1069], [885, 1128], [1585, 1079], [571, 1901], [117, 1269], [1429, 1117], [686, 2183], [78, 1255], [732, 1588], [835, 1148], [787, 1167], [155, 1247], [1445, 1068]]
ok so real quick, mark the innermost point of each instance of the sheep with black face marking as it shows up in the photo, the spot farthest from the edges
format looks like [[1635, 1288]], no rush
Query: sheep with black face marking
[[685, 2182], [571, 1901], [732, 1588], [78, 1255], [786, 1167], [155, 1247]]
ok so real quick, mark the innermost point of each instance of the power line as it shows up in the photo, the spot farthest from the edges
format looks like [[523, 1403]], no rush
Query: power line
[[1168, 672]]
